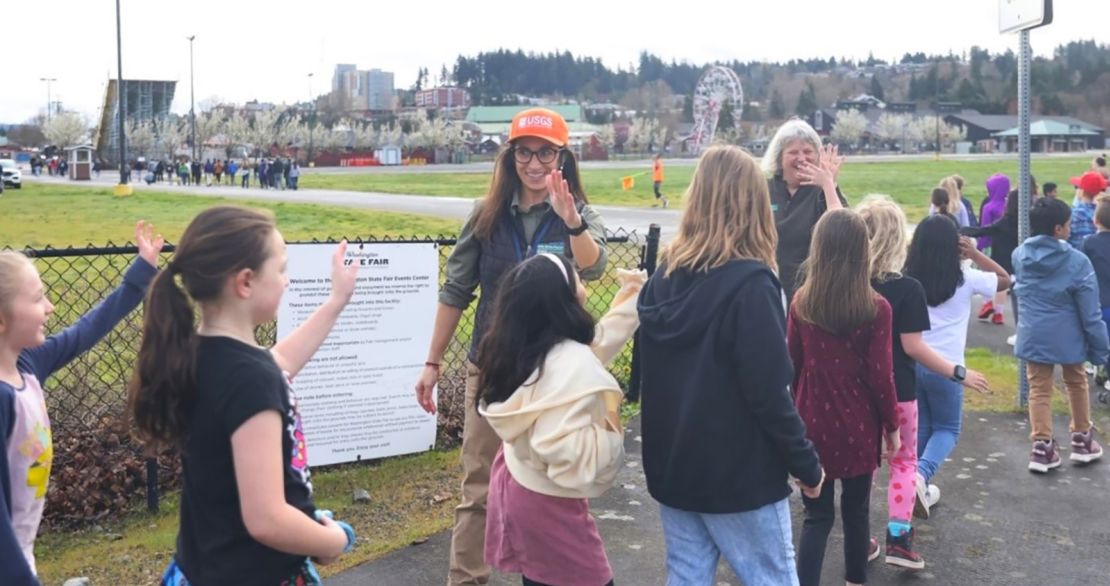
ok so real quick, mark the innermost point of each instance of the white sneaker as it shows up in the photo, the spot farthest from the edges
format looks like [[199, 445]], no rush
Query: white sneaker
[[1012, 340], [932, 495], [921, 503]]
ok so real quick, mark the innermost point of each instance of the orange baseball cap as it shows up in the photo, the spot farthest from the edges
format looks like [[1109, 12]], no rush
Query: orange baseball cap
[[1091, 182], [540, 123]]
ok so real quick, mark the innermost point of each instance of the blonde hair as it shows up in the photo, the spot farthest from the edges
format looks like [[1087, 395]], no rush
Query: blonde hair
[[793, 129], [11, 262], [728, 215], [950, 185], [886, 231]]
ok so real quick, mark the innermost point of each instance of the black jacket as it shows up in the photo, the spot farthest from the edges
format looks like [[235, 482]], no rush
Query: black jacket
[[720, 430], [1004, 239]]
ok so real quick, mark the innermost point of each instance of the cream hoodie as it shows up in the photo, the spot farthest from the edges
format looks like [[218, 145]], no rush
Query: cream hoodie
[[558, 440]]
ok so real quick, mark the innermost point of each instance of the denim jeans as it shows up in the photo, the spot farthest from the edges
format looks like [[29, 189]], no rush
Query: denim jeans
[[940, 404], [758, 545]]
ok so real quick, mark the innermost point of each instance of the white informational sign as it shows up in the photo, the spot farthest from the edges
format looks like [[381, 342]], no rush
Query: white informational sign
[[356, 395], [1020, 15]]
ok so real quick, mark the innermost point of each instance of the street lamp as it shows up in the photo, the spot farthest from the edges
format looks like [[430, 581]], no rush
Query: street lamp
[[121, 109], [48, 80], [192, 107], [312, 123]]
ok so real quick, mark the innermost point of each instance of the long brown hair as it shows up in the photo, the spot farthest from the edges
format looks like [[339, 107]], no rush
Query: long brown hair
[[218, 243], [506, 182], [728, 214], [836, 293]]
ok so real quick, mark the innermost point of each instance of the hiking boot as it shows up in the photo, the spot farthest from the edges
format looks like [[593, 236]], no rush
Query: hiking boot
[[986, 311], [1044, 457], [873, 550], [899, 551], [921, 504], [997, 319], [1084, 448]]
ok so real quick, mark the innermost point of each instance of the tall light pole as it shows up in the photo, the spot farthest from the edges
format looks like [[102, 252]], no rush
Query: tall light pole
[[48, 81], [192, 106], [311, 123], [121, 108]]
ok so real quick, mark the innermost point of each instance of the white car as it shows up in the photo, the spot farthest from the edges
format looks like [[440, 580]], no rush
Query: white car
[[13, 177]]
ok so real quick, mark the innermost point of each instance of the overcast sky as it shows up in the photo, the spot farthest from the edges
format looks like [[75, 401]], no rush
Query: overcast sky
[[250, 49]]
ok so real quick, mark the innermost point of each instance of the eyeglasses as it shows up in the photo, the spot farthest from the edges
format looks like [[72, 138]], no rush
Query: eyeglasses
[[524, 155]]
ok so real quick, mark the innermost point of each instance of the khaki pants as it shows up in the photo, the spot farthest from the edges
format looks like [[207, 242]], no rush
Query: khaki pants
[[1040, 398], [468, 538]]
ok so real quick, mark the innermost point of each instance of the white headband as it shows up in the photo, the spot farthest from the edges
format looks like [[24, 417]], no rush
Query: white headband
[[558, 263]]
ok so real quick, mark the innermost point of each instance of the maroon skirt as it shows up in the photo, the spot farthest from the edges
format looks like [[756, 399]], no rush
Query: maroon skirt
[[552, 540]]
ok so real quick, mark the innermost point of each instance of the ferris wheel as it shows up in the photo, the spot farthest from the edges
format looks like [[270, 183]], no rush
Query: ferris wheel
[[717, 86]]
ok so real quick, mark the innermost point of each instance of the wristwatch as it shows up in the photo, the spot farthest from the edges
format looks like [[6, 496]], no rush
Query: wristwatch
[[580, 229], [959, 373]]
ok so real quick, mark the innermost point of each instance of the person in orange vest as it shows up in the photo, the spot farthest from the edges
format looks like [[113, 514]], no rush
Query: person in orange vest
[[657, 179]]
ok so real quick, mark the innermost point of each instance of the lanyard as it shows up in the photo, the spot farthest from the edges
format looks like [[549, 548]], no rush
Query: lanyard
[[523, 252]]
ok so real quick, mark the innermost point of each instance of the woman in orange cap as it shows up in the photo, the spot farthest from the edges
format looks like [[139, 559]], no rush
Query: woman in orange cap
[[535, 204]]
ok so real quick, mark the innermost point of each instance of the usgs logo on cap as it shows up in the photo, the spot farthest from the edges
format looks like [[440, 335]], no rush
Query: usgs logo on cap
[[533, 121]]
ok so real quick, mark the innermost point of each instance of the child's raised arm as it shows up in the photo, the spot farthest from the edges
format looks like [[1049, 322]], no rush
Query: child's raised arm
[[59, 349], [293, 352]]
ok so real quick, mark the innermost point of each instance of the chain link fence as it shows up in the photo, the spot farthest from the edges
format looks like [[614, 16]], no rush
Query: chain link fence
[[99, 469]]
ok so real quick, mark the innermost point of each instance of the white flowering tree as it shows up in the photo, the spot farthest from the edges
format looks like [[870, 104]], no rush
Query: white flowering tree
[[141, 139], [849, 127], [66, 129]]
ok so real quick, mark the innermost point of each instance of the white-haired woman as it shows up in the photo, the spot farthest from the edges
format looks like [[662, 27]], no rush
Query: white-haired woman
[[801, 177]]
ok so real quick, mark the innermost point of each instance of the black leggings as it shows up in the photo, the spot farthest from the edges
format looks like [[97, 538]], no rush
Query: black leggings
[[528, 582], [820, 513]]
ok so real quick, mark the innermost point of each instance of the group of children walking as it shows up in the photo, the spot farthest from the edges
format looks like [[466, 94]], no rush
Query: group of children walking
[[742, 388]]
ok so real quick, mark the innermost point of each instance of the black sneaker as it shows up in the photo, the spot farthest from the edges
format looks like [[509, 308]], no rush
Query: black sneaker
[[899, 551]]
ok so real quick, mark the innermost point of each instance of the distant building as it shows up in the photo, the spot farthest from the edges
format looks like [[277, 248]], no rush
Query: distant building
[[443, 97], [365, 90], [144, 100]]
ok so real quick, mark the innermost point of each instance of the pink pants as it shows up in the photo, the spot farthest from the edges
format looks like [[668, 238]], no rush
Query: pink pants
[[903, 470]]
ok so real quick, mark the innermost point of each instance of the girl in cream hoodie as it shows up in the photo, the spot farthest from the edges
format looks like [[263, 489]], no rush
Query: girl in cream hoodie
[[548, 396]]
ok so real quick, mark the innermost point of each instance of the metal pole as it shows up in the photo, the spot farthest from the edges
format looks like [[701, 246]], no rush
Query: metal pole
[[121, 102], [192, 106], [936, 92], [312, 123], [48, 80], [1024, 183], [648, 263]]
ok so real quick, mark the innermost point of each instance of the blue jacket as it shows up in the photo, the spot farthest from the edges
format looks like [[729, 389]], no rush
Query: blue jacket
[[1057, 295]]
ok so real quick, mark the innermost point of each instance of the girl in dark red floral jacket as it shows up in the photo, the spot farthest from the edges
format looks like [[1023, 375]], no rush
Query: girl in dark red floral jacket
[[839, 334]]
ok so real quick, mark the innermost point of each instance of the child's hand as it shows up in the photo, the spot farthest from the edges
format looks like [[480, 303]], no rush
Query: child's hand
[[812, 492], [149, 244], [967, 247], [342, 275], [893, 444], [976, 381]]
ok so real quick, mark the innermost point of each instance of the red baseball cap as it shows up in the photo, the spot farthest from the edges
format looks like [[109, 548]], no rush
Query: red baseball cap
[[540, 123], [1091, 182]]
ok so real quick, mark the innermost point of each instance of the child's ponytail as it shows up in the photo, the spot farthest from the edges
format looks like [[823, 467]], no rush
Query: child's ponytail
[[218, 243]]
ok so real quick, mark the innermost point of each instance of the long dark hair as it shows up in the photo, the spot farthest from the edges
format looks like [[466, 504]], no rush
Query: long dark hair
[[836, 293], [218, 243], [506, 182], [535, 309], [934, 258]]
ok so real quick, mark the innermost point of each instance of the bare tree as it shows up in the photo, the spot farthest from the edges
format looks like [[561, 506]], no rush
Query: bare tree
[[66, 129], [849, 127]]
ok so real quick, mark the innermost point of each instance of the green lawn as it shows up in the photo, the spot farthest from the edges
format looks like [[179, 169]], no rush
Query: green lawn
[[909, 182], [63, 215]]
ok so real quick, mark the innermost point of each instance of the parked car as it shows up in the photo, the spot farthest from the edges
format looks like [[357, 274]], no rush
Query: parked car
[[12, 175]]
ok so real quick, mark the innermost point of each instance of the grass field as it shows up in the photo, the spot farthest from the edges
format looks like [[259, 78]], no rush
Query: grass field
[[909, 182], [61, 215]]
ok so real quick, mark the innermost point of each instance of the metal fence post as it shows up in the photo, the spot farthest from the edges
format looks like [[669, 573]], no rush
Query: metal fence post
[[648, 263], [152, 485]]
